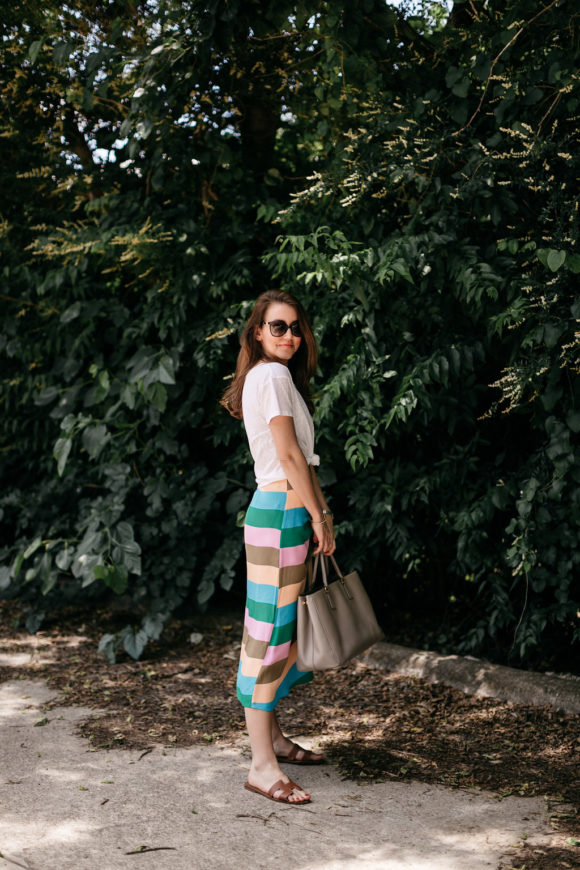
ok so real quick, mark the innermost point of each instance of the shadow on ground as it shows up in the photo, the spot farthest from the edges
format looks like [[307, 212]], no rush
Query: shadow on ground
[[376, 727]]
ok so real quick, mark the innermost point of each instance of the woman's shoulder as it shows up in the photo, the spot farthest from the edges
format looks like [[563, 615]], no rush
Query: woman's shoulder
[[265, 371]]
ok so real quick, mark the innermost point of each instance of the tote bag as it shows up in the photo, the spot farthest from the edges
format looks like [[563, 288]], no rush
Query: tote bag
[[335, 622]]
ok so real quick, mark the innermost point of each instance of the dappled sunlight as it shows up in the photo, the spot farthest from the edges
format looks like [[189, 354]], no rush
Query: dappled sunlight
[[24, 660], [183, 797], [426, 829], [192, 801], [16, 834], [30, 641], [38, 641], [15, 699], [35, 651], [61, 775], [386, 858]]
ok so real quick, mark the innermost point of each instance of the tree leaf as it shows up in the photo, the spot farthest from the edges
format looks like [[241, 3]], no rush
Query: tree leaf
[[94, 438], [61, 453], [166, 373], [64, 558], [157, 396], [71, 313], [107, 646], [116, 578], [555, 259], [128, 393], [32, 548], [124, 533], [34, 50], [134, 642], [5, 578], [153, 625], [46, 396]]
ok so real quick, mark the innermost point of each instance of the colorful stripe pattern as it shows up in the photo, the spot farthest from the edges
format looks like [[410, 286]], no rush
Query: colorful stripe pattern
[[277, 534]]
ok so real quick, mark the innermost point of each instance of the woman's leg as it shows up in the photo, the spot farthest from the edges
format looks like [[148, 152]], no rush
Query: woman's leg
[[275, 572], [265, 770], [282, 745]]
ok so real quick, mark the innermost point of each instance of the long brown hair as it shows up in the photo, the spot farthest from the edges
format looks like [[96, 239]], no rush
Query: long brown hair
[[302, 366]]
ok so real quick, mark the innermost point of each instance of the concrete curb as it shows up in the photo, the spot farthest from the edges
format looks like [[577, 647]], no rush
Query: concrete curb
[[477, 677]]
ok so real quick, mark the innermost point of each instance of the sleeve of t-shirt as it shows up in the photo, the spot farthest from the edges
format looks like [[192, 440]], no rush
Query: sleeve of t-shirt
[[275, 393]]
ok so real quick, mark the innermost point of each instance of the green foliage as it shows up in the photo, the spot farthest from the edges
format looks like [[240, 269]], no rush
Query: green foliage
[[455, 271], [411, 175]]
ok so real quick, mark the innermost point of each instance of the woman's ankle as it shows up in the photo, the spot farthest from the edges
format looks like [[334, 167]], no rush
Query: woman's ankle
[[264, 763]]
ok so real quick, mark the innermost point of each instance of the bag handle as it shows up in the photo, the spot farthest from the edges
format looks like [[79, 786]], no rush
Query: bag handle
[[323, 564], [336, 568]]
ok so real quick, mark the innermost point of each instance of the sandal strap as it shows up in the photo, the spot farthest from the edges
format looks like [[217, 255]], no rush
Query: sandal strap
[[307, 753], [293, 752], [286, 789]]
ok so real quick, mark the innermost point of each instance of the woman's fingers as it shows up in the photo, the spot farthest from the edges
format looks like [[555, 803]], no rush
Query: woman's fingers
[[329, 545], [324, 541]]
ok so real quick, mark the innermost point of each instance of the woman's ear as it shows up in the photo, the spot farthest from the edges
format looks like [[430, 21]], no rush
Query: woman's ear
[[258, 333]]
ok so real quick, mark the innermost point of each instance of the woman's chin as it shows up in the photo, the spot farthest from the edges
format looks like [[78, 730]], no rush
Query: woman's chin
[[283, 354]]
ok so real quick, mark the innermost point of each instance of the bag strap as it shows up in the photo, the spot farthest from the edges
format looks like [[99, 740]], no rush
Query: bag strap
[[336, 568], [324, 569], [323, 566], [312, 583]]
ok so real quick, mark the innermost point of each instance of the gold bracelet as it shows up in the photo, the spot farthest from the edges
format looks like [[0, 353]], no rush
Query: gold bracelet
[[319, 522]]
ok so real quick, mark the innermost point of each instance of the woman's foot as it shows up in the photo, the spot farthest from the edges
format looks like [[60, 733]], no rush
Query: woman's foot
[[281, 792], [263, 780], [289, 752]]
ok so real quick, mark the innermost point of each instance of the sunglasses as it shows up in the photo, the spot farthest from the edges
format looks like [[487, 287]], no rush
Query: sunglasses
[[278, 328]]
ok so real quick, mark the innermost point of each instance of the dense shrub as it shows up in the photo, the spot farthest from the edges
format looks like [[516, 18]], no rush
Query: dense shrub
[[412, 178]]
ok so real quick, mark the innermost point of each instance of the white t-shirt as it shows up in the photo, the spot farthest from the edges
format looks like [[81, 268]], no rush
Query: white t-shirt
[[269, 392]]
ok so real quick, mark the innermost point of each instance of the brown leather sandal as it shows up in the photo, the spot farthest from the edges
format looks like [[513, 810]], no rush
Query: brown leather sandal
[[286, 789], [307, 758]]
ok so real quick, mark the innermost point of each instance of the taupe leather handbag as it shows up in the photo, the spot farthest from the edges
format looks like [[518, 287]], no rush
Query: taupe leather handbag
[[335, 622]]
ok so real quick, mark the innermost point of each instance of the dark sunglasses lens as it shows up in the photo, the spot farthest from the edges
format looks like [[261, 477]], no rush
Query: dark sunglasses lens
[[278, 328]]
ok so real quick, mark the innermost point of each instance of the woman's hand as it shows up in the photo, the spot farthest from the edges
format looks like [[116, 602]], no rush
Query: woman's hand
[[324, 537]]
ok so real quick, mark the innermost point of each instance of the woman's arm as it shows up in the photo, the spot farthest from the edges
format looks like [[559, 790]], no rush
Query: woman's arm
[[319, 494], [297, 472]]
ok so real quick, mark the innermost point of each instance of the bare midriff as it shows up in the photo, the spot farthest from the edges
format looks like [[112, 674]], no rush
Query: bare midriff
[[277, 486]]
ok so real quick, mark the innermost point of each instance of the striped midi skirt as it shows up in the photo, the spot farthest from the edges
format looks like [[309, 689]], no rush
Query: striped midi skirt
[[277, 536]]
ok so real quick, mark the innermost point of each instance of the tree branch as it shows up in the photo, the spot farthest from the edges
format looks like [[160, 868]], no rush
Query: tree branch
[[76, 140], [412, 35], [497, 58]]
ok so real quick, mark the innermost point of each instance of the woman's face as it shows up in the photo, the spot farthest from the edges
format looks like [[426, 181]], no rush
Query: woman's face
[[283, 348]]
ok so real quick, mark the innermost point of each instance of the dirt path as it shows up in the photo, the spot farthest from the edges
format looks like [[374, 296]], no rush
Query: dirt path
[[101, 763], [65, 806]]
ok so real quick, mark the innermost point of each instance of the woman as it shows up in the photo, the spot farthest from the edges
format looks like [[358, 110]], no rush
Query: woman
[[270, 391]]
